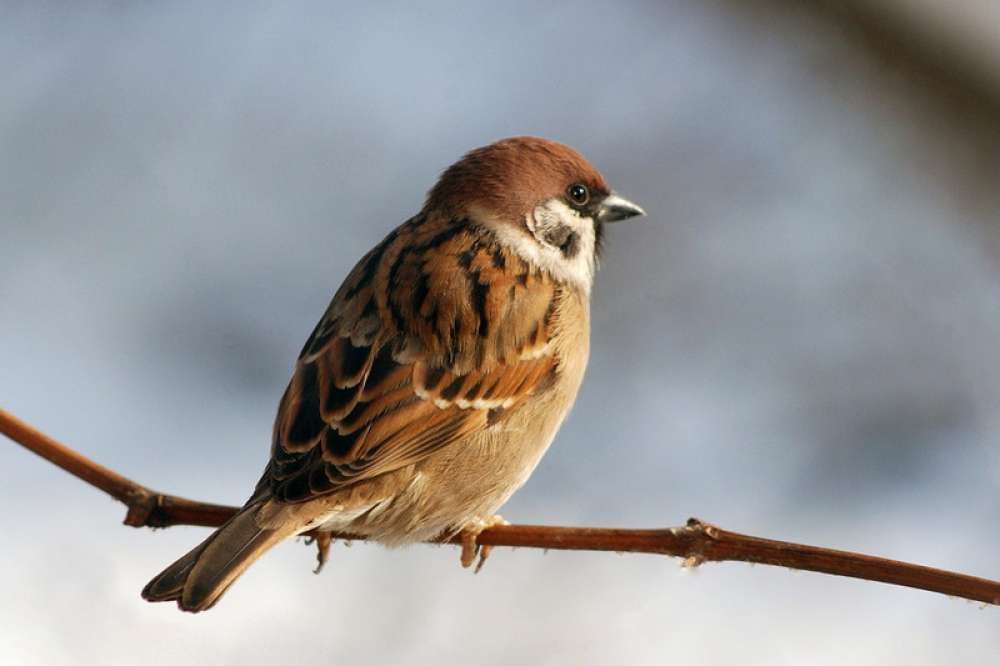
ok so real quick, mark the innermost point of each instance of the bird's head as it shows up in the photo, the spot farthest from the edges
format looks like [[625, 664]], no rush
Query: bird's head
[[541, 198]]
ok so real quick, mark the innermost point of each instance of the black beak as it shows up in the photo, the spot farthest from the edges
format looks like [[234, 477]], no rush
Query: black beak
[[615, 209]]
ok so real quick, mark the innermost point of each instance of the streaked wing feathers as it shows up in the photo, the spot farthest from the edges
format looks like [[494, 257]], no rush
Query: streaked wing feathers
[[437, 333]]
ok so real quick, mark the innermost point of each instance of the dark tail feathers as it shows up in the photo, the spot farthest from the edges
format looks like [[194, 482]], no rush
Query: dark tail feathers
[[197, 580]]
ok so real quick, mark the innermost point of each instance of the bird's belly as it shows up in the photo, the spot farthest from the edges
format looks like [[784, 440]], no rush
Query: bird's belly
[[466, 482]]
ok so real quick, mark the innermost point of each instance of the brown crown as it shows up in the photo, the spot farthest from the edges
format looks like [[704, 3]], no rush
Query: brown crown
[[512, 176]]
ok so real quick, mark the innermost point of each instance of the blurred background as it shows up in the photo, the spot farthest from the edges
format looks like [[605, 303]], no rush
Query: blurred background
[[800, 341]]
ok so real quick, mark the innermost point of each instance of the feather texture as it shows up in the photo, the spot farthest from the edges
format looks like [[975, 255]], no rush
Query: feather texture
[[458, 339]]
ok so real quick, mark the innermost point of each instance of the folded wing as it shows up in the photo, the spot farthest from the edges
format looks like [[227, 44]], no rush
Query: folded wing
[[439, 332]]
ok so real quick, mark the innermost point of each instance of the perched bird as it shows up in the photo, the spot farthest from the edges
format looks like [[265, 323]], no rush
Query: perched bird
[[440, 372]]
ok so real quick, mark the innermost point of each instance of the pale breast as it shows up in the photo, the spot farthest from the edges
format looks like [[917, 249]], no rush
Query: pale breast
[[472, 478]]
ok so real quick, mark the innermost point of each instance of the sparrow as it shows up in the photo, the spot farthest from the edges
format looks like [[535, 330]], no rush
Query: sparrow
[[438, 375]]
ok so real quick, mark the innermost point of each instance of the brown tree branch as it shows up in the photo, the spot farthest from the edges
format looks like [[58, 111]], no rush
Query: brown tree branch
[[697, 542]]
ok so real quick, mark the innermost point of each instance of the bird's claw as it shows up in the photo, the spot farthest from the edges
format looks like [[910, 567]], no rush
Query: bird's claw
[[323, 541], [471, 548]]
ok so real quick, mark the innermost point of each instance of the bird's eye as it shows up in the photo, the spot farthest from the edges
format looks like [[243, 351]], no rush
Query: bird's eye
[[578, 193]]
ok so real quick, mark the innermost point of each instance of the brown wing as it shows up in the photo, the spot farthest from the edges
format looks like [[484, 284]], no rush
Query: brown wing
[[457, 340]]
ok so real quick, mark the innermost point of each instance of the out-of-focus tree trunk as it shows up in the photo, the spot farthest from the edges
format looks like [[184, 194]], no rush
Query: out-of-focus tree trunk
[[939, 64]]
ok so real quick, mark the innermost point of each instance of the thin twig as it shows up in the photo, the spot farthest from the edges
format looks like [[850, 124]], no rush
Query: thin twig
[[697, 542]]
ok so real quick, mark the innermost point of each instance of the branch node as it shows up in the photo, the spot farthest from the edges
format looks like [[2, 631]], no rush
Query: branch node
[[692, 562], [700, 527], [141, 505]]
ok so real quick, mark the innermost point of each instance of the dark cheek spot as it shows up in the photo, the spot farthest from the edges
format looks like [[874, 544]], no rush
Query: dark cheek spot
[[571, 247], [564, 238]]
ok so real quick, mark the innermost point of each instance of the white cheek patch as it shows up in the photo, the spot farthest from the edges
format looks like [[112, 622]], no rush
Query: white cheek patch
[[562, 242], [556, 224], [566, 240]]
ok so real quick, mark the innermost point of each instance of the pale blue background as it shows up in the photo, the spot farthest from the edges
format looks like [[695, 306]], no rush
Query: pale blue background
[[800, 341]]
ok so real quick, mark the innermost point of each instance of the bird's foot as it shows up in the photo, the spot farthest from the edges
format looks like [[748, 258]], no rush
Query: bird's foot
[[470, 546], [323, 541]]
